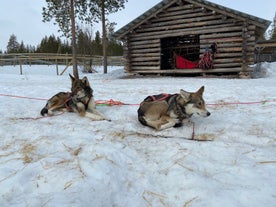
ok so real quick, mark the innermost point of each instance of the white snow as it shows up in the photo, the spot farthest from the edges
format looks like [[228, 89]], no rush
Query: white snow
[[67, 160]]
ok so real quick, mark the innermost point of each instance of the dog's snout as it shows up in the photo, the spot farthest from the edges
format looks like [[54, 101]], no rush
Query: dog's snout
[[208, 113]]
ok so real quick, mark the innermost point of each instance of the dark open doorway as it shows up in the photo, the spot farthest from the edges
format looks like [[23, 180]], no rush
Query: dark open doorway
[[187, 46]]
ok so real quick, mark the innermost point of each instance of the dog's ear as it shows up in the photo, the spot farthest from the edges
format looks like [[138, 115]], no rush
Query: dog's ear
[[72, 78], [85, 81], [200, 91], [186, 95]]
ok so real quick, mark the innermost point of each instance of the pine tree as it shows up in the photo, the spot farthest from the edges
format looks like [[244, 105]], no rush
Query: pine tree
[[84, 43], [273, 33], [114, 47], [107, 7], [22, 48], [65, 13], [13, 45], [66, 48], [97, 44]]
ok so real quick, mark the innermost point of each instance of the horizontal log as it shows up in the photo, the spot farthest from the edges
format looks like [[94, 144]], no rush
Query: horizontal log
[[222, 45], [182, 7], [145, 50], [145, 58], [185, 25], [181, 20], [199, 29], [181, 32], [187, 71], [145, 54], [145, 46], [213, 36], [227, 65], [145, 42], [265, 44], [229, 60], [219, 55], [156, 68], [178, 12], [183, 47], [187, 15], [229, 14], [220, 40], [148, 63], [230, 49]]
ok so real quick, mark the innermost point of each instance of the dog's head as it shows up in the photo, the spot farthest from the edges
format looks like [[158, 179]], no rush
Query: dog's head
[[80, 88], [195, 103]]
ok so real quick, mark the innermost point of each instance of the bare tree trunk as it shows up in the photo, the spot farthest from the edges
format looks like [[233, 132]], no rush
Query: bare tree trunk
[[104, 38], [73, 30]]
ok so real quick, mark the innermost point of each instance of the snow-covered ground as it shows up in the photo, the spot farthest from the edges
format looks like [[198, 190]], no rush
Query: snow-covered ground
[[67, 160]]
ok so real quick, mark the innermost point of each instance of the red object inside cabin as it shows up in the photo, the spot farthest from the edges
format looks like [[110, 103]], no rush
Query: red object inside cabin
[[183, 63]]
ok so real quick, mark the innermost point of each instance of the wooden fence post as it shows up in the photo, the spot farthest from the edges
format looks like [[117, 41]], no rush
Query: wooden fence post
[[20, 66], [57, 67]]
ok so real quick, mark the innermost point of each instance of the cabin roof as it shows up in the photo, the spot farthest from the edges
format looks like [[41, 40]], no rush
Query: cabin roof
[[259, 22]]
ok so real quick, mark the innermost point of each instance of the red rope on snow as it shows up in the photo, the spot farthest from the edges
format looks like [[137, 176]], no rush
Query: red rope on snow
[[25, 97], [112, 102], [241, 103]]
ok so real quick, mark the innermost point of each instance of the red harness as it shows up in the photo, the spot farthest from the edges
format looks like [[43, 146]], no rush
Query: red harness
[[68, 108], [164, 96]]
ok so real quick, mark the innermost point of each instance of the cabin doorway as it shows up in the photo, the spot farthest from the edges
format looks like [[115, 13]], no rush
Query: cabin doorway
[[187, 46]]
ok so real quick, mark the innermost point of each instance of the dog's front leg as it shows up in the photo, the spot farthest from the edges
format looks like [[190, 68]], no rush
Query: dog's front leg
[[162, 123], [91, 109], [100, 115], [92, 115], [170, 122], [187, 121], [81, 109]]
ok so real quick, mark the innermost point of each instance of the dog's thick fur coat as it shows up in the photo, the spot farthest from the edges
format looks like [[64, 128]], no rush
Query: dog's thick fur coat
[[162, 112], [80, 100]]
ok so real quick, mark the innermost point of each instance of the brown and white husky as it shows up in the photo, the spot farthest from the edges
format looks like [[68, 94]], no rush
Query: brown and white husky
[[80, 100], [171, 110]]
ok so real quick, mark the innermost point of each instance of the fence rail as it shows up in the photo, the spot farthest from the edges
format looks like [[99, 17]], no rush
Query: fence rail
[[52, 58], [265, 57], [57, 59]]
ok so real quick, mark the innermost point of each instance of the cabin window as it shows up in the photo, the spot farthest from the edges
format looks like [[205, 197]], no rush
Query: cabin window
[[187, 46]]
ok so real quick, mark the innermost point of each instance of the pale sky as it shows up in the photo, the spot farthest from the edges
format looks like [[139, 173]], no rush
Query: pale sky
[[23, 18]]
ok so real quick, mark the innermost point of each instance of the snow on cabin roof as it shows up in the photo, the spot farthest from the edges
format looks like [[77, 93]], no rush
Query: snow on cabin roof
[[262, 23]]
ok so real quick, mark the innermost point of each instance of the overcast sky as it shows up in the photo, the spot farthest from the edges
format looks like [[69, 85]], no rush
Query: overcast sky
[[23, 18]]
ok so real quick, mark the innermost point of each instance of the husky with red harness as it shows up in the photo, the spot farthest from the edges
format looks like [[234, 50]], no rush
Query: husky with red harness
[[80, 100], [171, 110]]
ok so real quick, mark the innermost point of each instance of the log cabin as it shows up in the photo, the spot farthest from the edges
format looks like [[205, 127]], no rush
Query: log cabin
[[173, 37]]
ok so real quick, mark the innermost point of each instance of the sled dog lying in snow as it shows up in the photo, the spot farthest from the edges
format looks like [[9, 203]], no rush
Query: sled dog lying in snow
[[170, 110], [80, 100]]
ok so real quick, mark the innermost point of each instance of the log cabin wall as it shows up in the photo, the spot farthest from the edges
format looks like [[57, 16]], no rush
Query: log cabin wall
[[235, 38]]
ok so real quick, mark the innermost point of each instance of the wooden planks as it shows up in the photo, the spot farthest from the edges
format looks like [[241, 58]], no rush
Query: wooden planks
[[235, 45]]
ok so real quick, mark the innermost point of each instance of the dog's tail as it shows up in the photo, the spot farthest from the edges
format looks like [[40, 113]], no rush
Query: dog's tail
[[141, 116]]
